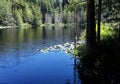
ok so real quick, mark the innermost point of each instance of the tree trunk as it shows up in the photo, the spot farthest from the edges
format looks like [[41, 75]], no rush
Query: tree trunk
[[90, 33], [119, 32], [99, 21]]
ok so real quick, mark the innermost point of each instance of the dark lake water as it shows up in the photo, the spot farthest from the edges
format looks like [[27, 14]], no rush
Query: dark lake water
[[22, 63]]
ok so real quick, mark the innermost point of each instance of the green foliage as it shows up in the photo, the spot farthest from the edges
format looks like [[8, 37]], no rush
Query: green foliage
[[37, 16], [32, 11], [81, 50], [19, 20], [49, 5], [5, 12], [27, 14], [64, 17], [106, 31], [76, 5], [83, 35], [106, 59], [20, 12], [75, 52]]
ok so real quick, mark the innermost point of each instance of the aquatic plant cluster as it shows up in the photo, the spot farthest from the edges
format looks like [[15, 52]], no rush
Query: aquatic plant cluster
[[65, 47], [68, 48]]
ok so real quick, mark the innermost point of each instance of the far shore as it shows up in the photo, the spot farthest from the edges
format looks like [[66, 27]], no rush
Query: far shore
[[25, 25], [3, 27]]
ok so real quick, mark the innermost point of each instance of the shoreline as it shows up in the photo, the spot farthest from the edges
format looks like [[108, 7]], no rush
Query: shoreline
[[4, 27], [46, 24]]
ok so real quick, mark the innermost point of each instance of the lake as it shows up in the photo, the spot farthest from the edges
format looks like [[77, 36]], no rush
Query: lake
[[22, 63]]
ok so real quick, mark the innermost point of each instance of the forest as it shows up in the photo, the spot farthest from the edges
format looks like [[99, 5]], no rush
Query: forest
[[27, 12], [97, 59]]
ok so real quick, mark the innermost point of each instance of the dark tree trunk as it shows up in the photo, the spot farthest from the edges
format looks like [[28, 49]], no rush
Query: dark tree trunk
[[99, 20], [65, 2], [90, 33], [119, 33], [43, 17]]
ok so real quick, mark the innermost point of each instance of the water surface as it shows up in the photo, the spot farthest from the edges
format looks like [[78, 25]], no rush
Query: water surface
[[21, 63]]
